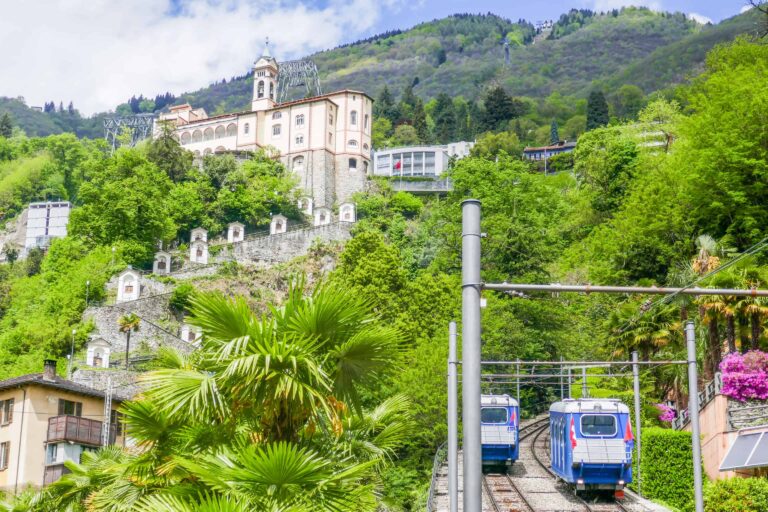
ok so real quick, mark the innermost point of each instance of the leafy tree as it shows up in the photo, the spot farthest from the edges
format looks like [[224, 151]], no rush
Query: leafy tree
[[500, 107], [380, 132], [6, 125], [554, 136], [385, 106], [597, 110], [11, 252], [420, 121], [445, 119], [167, 154], [490, 145], [627, 101], [405, 135]]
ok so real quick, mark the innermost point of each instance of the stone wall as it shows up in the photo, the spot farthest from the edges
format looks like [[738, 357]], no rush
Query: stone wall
[[124, 383], [285, 246], [154, 313], [14, 232]]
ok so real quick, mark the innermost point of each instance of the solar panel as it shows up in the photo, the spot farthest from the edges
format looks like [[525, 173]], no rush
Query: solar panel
[[747, 451]]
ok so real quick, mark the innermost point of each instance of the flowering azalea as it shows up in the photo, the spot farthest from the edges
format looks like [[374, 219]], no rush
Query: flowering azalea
[[666, 413], [745, 376]]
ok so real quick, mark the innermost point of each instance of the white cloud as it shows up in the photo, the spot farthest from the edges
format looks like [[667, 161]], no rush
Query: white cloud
[[98, 53], [607, 5], [699, 18], [745, 9]]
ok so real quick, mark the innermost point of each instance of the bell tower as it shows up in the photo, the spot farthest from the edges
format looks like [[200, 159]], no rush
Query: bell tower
[[264, 81]]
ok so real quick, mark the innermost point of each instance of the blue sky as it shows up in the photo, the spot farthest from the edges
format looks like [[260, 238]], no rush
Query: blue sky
[[98, 53]]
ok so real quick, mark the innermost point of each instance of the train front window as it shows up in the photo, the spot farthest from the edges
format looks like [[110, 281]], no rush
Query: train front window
[[598, 425], [496, 415]]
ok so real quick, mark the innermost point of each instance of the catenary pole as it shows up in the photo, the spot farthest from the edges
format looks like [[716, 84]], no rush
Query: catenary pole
[[470, 353], [518, 384], [453, 428], [693, 412], [584, 389], [638, 437]]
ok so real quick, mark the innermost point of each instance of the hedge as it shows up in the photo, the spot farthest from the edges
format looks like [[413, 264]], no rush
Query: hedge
[[737, 495], [667, 467]]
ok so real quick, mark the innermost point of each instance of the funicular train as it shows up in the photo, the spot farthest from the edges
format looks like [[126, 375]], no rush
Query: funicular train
[[499, 430], [591, 444]]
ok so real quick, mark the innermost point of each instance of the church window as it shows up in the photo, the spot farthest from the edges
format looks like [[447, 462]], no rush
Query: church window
[[330, 118], [161, 264], [365, 122], [276, 130], [353, 164], [246, 128], [353, 117], [299, 140], [220, 131], [261, 73], [186, 138], [231, 130], [365, 146], [260, 89], [197, 136], [277, 115], [352, 143], [271, 90], [199, 252], [208, 134], [300, 120], [298, 163]]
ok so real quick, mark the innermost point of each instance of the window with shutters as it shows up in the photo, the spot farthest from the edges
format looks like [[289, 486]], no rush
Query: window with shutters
[[6, 411], [70, 408]]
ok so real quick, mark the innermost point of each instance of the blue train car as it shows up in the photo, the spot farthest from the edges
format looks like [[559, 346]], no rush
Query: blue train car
[[591, 443], [499, 429]]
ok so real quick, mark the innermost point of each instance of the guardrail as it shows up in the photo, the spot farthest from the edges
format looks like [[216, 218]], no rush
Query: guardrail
[[706, 395], [440, 456], [445, 185]]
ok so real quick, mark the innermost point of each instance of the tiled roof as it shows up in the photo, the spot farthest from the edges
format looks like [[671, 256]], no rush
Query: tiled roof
[[56, 383], [564, 145]]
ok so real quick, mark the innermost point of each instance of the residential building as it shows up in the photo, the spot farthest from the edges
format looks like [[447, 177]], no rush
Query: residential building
[[325, 139], [543, 153], [46, 420], [46, 221], [425, 161]]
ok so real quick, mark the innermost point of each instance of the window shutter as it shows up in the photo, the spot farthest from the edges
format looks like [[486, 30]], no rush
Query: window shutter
[[62, 405], [78, 409], [9, 414]]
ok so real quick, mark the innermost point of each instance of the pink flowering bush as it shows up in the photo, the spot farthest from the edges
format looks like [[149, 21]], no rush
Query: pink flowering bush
[[745, 377], [666, 413]]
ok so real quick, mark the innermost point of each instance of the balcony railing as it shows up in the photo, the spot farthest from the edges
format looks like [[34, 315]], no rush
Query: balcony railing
[[75, 429], [422, 187], [54, 472]]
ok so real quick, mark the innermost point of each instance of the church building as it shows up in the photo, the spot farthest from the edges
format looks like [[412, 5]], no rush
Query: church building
[[325, 139]]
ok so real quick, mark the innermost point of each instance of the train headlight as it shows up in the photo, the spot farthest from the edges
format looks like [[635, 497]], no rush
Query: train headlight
[[580, 481], [621, 482]]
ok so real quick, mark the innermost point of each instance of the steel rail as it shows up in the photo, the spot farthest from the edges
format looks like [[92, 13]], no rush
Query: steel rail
[[650, 290], [489, 492], [589, 506]]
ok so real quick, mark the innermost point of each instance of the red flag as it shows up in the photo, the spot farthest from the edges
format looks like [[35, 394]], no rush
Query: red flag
[[573, 434], [628, 433], [513, 418], [397, 165]]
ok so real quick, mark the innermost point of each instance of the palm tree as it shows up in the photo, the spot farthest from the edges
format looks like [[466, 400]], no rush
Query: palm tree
[[265, 415], [128, 323], [646, 332]]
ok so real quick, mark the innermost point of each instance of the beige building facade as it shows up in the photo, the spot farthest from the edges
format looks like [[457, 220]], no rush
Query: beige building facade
[[45, 421], [325, 140]]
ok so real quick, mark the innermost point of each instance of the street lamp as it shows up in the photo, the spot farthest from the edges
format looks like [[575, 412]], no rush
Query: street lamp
[[71, 355]]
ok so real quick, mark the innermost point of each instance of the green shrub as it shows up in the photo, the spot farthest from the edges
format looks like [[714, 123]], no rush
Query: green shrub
[[667, 466], [181, 297], [737, 495], [560, 162]]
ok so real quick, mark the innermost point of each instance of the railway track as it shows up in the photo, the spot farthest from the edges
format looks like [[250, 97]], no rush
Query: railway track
[[615, 506]]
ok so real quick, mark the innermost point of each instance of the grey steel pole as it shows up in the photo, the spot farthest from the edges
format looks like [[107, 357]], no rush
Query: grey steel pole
[[584, 390], [453, 427], [693, 413], [651, 290], [638, 438], [518, 384], [470, 353], [569, 382], [562, 384]]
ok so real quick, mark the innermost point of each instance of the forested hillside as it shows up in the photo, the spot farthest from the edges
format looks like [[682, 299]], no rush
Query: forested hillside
[[624, 212]]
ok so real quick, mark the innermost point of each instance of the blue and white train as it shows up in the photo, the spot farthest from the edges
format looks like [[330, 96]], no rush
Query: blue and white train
[[499, 429], [591, 443]]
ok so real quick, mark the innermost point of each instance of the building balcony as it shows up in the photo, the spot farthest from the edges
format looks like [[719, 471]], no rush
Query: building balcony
[[54, 472], [77, 430]]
